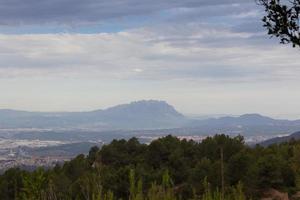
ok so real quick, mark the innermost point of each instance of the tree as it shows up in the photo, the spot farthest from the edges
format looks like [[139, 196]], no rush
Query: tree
[[11, 183], [35, 184], [282, 20]]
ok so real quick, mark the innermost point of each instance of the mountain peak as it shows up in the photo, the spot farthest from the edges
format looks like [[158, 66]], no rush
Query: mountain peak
[[144, 113], [147, 107], [151, 101], [155, 104], [253, 116]]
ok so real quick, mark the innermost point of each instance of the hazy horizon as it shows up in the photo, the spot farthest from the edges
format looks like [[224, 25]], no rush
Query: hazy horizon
[[190, 115]]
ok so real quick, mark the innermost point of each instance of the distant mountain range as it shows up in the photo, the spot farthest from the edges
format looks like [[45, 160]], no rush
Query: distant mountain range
[[248, 124], [278, 140], [136, 115], [147, 115]]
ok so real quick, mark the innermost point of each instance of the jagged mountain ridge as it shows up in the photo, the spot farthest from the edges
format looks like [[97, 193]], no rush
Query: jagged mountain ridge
[[139, 114], [150, 115]]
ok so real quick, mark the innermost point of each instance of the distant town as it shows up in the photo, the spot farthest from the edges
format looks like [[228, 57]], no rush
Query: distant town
[[30, 154]]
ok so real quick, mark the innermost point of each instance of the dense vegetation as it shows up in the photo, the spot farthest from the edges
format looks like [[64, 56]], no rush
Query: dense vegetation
[[166, 169], [282, 20]]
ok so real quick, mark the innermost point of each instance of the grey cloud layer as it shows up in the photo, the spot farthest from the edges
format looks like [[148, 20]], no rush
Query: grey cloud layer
[[186, 44], [193, 52], [77, 11]]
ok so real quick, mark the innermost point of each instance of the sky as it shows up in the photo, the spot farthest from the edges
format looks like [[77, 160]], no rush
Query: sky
[[202, 57]]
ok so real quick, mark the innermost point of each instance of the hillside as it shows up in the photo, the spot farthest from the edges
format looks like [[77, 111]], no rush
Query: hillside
[[166, 169], [248, 124], [278, 140], [68, 150]]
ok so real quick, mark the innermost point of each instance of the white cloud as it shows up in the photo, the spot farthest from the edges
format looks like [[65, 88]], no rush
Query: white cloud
[[193, 52]]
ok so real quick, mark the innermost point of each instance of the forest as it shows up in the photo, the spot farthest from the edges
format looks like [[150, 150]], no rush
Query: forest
[[218, 168]]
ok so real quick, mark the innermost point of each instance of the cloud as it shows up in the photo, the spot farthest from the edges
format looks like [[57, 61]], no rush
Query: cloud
[[187, 41], [201, 53], [20, 12]]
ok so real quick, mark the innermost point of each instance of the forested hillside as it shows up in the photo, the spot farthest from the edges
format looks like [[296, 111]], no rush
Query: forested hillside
[[166, 169]]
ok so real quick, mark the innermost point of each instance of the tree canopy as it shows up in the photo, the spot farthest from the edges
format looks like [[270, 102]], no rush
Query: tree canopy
[[166, 169], [282, 20]]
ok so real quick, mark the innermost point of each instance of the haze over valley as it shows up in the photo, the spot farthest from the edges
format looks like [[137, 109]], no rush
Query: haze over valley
[[63, 135], [145, 115]]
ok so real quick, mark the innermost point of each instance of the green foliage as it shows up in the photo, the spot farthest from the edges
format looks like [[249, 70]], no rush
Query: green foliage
[[136, 188], [11, 183], [238, 193], [34, 185], [166, 169], [282, 20]]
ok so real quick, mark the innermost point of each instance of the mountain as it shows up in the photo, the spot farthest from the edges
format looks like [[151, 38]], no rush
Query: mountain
[[144, 114], [278, 140], [248, 124], [243, 120]]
